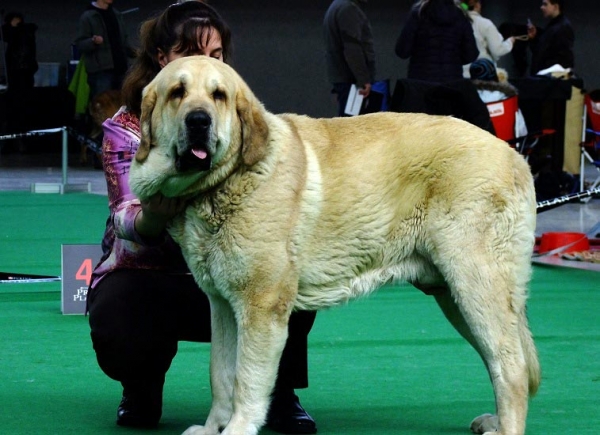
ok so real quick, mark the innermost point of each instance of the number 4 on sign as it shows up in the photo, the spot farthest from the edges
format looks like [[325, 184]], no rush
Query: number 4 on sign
[[84, 272]]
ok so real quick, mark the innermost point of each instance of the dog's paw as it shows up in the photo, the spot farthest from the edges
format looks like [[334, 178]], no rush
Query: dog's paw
[[485, 423], [199, 430]]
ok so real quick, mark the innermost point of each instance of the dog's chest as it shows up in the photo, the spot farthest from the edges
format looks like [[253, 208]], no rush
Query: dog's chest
[[207, 235]]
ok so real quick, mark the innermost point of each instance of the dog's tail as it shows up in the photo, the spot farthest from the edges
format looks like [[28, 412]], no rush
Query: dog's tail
[[531, 356]]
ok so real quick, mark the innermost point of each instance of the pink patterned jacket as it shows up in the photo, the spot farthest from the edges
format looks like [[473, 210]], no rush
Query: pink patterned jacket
[[122, 246]]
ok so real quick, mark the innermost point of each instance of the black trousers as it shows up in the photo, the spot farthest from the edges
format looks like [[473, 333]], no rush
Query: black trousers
[[137, 318], [457, 98]]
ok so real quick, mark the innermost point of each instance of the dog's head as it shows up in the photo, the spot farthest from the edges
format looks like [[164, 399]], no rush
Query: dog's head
[[199, 122], [105, 105]]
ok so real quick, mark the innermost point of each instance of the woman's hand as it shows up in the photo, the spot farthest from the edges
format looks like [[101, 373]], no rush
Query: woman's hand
[[366, 90], [531, 30], [156, 212]]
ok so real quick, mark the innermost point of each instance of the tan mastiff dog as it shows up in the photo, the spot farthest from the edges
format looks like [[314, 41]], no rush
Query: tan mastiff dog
[[288, 212]]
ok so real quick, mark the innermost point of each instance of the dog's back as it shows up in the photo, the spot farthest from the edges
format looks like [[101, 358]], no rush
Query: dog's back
[[401, 195]]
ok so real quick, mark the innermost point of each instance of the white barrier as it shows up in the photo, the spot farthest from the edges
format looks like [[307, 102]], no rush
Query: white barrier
[[64, 186]]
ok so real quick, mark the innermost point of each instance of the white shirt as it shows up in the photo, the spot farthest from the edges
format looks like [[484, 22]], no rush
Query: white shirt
[[490, 43]]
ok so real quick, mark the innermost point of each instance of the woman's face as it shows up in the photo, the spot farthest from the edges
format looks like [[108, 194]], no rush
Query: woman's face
[[209, 45]]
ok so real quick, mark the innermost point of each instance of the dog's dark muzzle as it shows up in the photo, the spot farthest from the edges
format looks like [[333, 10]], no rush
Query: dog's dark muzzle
[[196, 155]]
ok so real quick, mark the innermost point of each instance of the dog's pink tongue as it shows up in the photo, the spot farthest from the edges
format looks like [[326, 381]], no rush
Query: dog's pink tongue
[[201, 154]]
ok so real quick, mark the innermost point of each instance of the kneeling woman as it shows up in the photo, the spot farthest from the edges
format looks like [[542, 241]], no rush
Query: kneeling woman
[[142, 299]]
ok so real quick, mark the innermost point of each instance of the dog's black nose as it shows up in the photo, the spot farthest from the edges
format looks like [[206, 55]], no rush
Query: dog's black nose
[[198, 120]]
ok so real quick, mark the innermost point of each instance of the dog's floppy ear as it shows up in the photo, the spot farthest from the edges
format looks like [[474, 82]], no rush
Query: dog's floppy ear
[[148, 103], [255, 130]]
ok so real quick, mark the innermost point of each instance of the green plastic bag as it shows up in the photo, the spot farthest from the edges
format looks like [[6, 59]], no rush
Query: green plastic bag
[[80, 88]]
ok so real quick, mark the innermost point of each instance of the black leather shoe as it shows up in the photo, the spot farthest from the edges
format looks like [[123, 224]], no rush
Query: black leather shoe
[[139, 413], [287, 416]]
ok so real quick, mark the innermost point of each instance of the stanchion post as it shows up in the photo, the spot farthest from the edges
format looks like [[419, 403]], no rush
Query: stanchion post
[[63, 187], [65, 155]]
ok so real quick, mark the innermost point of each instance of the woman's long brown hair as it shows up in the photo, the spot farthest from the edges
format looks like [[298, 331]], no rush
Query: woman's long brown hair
[[177, 28]]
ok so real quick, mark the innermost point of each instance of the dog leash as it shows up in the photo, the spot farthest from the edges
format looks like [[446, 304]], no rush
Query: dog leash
[[548, 204], [560, 249], [18, 278]]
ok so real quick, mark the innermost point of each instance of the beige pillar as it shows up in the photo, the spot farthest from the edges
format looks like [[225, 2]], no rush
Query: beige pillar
[[573, 130]]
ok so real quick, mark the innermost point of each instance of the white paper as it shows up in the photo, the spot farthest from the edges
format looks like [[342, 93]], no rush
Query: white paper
[[354, 102], [556, 68]]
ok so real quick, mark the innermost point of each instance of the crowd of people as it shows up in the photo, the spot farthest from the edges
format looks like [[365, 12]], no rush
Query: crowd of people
[[439, 39]]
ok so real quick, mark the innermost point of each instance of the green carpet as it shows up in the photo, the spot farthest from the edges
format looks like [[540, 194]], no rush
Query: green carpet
[[35, 225], [389, 364]]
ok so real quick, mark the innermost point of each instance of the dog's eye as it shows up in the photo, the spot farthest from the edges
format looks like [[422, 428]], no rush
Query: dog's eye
[[219, 95], [177, 93]]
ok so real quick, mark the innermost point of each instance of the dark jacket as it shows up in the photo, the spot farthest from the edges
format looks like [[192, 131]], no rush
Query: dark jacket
[[438, 40], [553, 45], [21, 54], [350, 55], [100, 57]]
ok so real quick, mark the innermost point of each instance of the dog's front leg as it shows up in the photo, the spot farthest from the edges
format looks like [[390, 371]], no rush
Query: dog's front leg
[[222, 368], [262, 333]]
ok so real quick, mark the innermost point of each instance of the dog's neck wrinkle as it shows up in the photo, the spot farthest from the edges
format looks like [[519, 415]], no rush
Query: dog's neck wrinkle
[[223, 200]]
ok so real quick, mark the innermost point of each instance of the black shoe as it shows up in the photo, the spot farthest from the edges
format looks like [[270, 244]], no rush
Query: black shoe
[[287, 416], [144, 413]]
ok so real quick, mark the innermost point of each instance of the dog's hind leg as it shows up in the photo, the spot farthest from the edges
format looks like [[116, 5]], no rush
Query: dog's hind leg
[[486, 422], [456, 319], [487, 306], [222, 367]]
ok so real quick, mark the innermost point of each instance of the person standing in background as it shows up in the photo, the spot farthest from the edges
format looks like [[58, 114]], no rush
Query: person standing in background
[[554, 44], [550, 46], [350, 55], [438, 40], [21, 52], [490, 42], [103, 43], [21, 66]]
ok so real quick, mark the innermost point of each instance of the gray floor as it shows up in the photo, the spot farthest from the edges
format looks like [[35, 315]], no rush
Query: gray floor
[[20, 171]]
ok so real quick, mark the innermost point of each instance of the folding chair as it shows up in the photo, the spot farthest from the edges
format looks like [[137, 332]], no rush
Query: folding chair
[[590, 138], [503, 114]]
